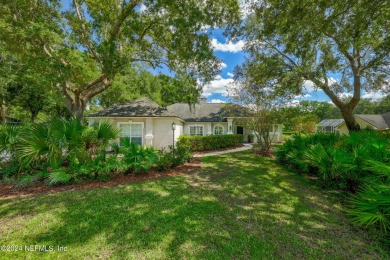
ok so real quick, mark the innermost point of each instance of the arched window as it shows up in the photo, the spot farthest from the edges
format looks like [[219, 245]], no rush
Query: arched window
[[218, 130]]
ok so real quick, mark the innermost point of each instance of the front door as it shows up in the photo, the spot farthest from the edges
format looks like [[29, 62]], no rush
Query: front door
[[240, 130]]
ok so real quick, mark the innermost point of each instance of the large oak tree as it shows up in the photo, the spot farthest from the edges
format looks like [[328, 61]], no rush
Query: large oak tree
[[84, 45], [339, 46]]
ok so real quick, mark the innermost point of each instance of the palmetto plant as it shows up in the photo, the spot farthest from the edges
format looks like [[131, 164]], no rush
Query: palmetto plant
[[372, 204], [9, 137], [137, 158], [64, 140], [65, 145]]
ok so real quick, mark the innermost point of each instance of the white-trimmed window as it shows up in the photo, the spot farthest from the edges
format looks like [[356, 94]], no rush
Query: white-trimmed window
[[131, 131], [218, 130], [196, 130]]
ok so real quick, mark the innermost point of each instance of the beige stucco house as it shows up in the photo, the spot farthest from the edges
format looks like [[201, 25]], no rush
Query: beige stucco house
[[146, 123], [375, 122]]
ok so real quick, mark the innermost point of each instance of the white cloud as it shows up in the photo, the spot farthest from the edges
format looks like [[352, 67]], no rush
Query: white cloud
[[230, 74], [293, 103], [223, 65], [217, 101], [217, 86], [374, 95], [302, 96], [310, 86], [344, 95], [228, 46], [143, 8]]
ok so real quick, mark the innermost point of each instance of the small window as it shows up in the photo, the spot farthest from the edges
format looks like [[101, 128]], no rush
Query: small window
[[218, 130], [196, 130]]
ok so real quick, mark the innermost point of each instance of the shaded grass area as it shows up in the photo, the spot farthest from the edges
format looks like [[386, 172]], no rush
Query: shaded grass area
[[237, 206]]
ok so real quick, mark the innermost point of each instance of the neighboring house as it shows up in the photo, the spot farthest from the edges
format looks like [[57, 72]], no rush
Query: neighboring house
[[376, 122], [145, 122]]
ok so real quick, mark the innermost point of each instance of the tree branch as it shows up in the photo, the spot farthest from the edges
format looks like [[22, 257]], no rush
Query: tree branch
[[84, 38], [123, 16]]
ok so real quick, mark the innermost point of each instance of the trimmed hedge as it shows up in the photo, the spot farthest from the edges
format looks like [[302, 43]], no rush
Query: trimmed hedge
[[211, 142]]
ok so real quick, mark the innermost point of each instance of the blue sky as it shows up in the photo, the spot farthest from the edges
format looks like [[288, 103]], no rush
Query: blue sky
[[231, 55]]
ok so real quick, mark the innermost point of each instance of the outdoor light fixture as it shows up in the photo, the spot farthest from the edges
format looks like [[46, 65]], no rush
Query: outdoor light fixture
[[173, 136]]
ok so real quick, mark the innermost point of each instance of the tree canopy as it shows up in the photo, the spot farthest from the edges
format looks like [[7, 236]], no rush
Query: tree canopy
[[338, 46], [82, 47]]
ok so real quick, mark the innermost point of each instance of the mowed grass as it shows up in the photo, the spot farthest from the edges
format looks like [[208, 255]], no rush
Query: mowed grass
[[238, 206]]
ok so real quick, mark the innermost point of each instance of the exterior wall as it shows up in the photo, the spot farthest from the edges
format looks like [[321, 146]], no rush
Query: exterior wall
[[163, 133], [277, 134], [342, 129], [208, 127], [157, 132]]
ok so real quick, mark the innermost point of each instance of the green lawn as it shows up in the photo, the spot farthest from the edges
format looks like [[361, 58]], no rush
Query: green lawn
[[238, 206]]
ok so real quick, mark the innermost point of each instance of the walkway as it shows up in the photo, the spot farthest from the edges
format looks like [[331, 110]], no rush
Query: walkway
[[212, 153]]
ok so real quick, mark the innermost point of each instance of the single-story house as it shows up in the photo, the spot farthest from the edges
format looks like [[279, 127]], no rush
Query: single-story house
[[146, 123], [376, 122]]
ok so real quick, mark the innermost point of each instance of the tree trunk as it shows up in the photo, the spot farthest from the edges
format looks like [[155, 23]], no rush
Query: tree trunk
[[77, 99], [349, 119], [2, 110], [33, 116], [76, 107]]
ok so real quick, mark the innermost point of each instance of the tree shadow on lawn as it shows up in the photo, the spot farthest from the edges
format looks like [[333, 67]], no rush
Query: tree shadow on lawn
[[238, 206]]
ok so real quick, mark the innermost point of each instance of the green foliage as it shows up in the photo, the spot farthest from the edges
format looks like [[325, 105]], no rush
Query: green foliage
[[67, 146], [211, 142], [88, 43], [358, 163], [305, 124], [162, 89], [371, 206], [137, 158], [181, 154], [301, 55]]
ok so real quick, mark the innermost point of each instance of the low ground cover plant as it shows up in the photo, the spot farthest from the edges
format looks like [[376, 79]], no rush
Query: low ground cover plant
[[357, 164], [211, 142]]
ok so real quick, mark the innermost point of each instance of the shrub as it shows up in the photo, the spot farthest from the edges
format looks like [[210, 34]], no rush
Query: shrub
[[181, 154], [64, 146], [137, 158], [211, 142], [358, 163], [371, 206]]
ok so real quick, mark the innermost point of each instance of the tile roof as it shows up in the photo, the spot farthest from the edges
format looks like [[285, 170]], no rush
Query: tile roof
[[141, 107], [381, 122], [206, 112], [202, 112]]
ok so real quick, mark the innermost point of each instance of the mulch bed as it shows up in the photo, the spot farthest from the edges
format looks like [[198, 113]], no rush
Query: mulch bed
[[11, 191]]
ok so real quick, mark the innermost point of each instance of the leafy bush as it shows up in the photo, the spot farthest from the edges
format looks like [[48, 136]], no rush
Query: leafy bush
[[68, 151], [137, 158], [358, 163], [181, 154], [211, 142], [371, 206], [64, 146]]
